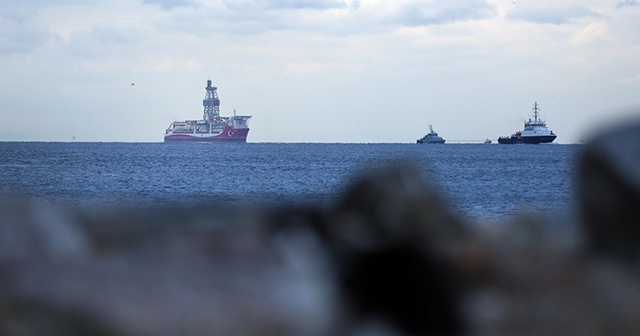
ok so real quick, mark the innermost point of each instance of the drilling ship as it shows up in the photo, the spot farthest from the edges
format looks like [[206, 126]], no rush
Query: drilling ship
[[212, 127]]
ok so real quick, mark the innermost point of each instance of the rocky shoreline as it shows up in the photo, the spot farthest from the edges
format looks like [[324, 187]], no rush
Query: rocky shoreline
[[388, 258]]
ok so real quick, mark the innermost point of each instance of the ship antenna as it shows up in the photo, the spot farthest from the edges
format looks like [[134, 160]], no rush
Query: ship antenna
[[211, 103], [535, 111]]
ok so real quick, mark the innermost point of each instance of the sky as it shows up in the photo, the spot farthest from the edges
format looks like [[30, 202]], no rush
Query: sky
[[352, 71]]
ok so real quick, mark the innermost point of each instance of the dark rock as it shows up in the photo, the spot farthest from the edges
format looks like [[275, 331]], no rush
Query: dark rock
[[609, 191], [38, 230], [388, 258], [393, 232], [407, 288], [144, 272], [395, 203]]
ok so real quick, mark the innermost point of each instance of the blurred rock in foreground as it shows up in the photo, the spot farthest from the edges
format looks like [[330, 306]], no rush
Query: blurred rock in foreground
[[388, 258], [609, 182]]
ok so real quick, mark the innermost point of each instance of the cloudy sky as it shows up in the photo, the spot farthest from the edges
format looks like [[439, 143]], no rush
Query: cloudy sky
[[316, 70]]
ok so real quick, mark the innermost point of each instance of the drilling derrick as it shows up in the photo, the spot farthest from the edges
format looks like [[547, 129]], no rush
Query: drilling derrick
[[211, 103]]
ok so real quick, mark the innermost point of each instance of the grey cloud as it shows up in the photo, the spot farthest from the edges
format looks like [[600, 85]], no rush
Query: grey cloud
[[169, 4], [283, 4], [626, 3], [420, 13], [105, 34], [20, 32], [104, 40], [550, 14], [258, 16], [247, 17], [207, 21]]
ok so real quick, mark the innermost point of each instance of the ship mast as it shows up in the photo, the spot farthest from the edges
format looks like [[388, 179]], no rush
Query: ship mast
[[535, 111], [211, 103]]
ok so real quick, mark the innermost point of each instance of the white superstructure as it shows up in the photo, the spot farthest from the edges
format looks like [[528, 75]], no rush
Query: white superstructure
[[536, 127]]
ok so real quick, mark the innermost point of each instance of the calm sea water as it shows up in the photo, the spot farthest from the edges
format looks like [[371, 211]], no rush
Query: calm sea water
[[482, 181]]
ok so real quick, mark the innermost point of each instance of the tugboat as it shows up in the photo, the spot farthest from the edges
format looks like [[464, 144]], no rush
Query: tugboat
[[535, 132], [431, 138]]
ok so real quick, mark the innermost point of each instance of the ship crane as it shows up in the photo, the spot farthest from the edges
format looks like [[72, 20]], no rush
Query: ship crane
[[211, 103]]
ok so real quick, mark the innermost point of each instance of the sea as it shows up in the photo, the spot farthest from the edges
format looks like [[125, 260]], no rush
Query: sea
[[484, 182]]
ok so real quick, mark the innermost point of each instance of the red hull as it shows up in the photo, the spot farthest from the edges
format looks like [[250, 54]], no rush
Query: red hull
[[228, 135]]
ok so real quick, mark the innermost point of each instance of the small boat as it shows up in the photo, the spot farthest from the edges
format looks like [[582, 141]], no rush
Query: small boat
[[431, 138], [487, 142]]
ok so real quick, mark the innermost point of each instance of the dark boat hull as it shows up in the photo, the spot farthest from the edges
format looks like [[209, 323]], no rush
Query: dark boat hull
[[430, 141], [526, 140]]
